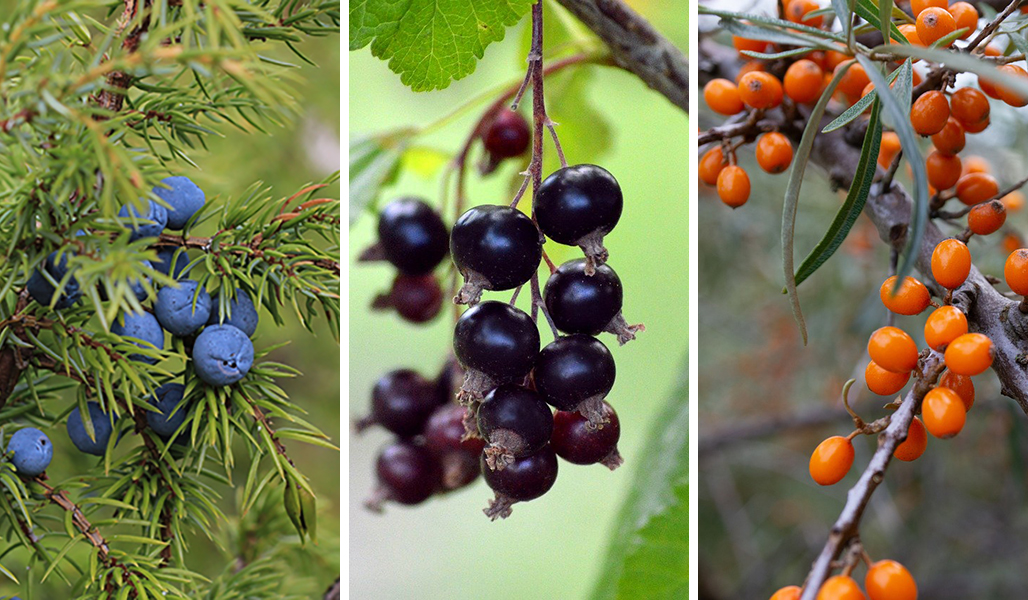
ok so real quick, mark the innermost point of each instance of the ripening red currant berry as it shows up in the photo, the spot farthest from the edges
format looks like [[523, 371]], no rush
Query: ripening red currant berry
[[577, 441], [508, 135], [407, 474]]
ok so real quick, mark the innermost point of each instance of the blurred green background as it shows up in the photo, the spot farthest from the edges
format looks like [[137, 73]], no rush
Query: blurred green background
[[285, 159], [553, 546], [953, 517]]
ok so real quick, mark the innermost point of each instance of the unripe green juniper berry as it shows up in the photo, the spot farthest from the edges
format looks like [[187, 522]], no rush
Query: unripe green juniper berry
[[30, 451], [102, 428], [222, 355]]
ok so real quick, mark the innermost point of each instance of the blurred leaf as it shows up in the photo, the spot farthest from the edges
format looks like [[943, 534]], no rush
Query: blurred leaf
[[649, 553], [373, 162], [424, 161], [960, 62], [871, 11], [585, 134], [430, 43]]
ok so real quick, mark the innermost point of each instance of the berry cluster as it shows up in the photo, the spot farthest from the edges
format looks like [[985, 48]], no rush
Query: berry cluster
[[216, 329], [885, 580]]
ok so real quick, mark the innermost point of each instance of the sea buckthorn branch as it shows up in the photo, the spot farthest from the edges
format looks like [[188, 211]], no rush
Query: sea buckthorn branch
[[846, 527]]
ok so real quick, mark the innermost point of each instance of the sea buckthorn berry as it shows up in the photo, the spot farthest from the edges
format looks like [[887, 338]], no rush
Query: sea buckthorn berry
[[889, 580], [914, 446], [748, 67], [988, 87], [909, 298], [944, 325], [834, 59], [882, 382], [888, 149], [1015, 271], [951, 139], [840, 587], [976, 164], [733, 186], [803, 81], [951, 263], [969, 106], [909, 31], [854, 81], [1014, 201], [943, 170], [796, 12], [969, 354], [961, 384], [760, 90], [722, 96], [1008, 95], [977, 128], [933, 24], [943, 412], [987, 218], [929, 113], [975, 188], [966, 17], [893, 349], [916, 6], [742, 44], [1012, 242], [790, 592], [711, 164], [774, 152], [831, 460]]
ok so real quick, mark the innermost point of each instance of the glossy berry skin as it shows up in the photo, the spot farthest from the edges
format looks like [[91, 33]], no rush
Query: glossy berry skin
[[722, 96], [969, 354], [184, 198], [578, 201], [790, 592], [969, 106], [498, 340], [944, 325], [914, 446], [416, 298], [577, 442], [796, 11], [499, 243], [42, 291], [893, 350], [165, 255], [975, 188], [444, 432], [933, 24], [222, 355], [580, 303], [1015, 271], [241, 312], [408, 472], [929, 113], [889, 580], [951, 139], [961, 384], [951, 263], [402, 401], [519, 411], [840, 587], [30, 451], [572, 369], [943, 170], [176, 310], [760, 90], [855, 79], [526, 478], [774, 152], [142, 327], [831, 460], [987, 217], [102, 429], [507, 136], [803, 81], [166, 399], [150, 224], [1010, 96], [943, 412], [733, 186], [412, 235], [882, 382], [711, 164], [910, 298]]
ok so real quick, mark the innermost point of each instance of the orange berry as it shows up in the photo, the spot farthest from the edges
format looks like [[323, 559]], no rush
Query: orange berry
[[943, 170], [748, 67], [975, 188], [969, 106], [774, 152], [882, 382], [796, 11], [893, 349], [951, 263], [834, 59], [943, 412], [742, 44], [831, 460], [933, 24], [966, 17], [991, 50], [929, 113], [889, 580], [910, 298], [961, 384], [987, 217], [803, 81], [916, 6], [976, 164], [969, 354], [733, 186], [840, 587], [854, 81], [1014, 201], [722, 96], [1008, 95], [913, 447], [1011, 242], [791, 592], [760, 90], [888, 149], [950, 140], [944, 325], [1015, 271], [977, 127], [909, 31], [711, 164]]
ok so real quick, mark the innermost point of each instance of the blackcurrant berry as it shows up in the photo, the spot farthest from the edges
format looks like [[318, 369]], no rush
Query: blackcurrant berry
[[402, 401], [524, 479], [575, 373], [450, 377], [416, 298], [516, 422], [412, 236], [577, 441], [507, 136], [577, 206], [457, 454], [580, 303], [407, 473], [495, 248], [495, 343]]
